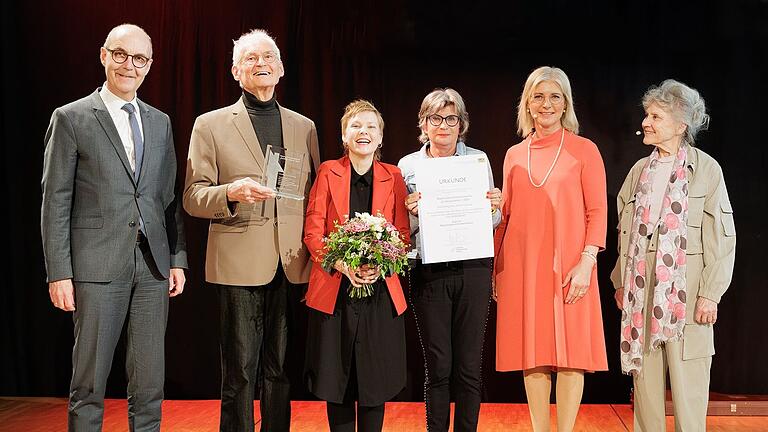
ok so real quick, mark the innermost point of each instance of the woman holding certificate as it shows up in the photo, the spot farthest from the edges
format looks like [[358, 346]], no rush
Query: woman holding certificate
[[450, 299], [553, 225], [355, 343]]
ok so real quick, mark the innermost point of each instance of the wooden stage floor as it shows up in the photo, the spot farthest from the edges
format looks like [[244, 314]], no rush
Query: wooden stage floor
[[49, 414]]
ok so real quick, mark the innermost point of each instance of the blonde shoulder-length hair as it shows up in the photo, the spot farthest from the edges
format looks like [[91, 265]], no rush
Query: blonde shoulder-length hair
[[525, 123]]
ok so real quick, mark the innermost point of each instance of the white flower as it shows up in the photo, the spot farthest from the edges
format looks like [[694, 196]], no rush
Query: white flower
[[375, 223]]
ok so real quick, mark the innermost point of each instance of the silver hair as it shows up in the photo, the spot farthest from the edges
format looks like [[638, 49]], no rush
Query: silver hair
[[248, 39], [437, 100], [684, 103], [525, 122], [126, 28]]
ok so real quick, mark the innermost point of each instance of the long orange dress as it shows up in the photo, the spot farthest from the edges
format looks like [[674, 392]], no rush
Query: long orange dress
[[540, 239]]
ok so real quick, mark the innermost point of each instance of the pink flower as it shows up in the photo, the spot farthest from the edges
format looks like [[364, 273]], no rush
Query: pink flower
[[681, 257], [646, 215], [679, 311], [637, 319], [654, 326], [662, 273], [671, 221], [681, 173], [627, 332], [641, 267]]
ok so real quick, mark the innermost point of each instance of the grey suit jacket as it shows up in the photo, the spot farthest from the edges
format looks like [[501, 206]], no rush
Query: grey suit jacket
[[91, 203]]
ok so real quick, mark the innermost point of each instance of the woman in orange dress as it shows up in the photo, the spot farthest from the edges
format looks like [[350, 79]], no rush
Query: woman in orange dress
[[553, 225]]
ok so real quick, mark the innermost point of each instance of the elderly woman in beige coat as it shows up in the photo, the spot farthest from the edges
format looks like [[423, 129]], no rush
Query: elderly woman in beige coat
[[676, 251]]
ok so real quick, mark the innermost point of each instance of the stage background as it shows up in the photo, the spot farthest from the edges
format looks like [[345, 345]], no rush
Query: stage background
[[392, 53]]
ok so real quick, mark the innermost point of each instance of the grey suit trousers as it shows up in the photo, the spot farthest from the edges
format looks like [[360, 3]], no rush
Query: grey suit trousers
[[140, 295]]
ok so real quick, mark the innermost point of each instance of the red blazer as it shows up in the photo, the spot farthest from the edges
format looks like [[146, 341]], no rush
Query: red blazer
[[329, 202]]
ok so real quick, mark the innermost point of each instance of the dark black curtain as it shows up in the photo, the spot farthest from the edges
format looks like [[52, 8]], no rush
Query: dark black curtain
[[392, 53]]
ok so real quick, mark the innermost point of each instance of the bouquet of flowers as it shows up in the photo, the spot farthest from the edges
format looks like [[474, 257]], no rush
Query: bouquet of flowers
[[366, 239]]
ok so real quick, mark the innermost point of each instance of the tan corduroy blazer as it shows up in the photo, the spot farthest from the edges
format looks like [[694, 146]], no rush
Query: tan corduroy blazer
[[244, 248], [711, 242]]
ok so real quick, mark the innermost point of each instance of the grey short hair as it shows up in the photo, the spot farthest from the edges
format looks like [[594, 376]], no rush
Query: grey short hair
[[248, 39], [684, 103], [126, 28], [525, 121], [437, 100]]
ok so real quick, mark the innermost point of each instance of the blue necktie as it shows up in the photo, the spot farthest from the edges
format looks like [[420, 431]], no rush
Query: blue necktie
[[138, 141], [138, 147]]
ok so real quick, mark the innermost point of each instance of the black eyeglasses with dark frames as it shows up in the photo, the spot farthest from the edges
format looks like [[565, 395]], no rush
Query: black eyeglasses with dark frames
[[436, 119], [120, 56]]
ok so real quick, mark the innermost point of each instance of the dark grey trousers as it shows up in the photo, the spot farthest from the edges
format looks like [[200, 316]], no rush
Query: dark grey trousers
[[140, 294]]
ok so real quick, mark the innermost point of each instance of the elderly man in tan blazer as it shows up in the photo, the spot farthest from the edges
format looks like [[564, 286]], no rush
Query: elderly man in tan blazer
[[255, 253]]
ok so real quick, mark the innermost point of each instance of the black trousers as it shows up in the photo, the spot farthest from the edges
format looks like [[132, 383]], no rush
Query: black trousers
[[450, 302], [254, 337], [342, 416]]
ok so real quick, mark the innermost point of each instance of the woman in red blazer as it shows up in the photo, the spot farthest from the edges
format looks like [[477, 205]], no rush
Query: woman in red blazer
[[355, 347]]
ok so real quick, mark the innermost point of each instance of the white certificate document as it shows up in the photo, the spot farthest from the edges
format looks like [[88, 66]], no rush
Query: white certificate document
[[455, 220]]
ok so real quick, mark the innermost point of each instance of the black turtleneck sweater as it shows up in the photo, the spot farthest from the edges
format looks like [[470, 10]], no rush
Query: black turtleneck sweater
[[265, 117]]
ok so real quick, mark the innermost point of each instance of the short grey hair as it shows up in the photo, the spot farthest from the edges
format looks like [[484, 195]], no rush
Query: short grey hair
[[246, 40], [525, 121], [127, 28], [437, 100], [684, 103]]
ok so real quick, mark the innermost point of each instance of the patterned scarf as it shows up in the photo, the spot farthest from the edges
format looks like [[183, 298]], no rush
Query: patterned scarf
[[668, 318]]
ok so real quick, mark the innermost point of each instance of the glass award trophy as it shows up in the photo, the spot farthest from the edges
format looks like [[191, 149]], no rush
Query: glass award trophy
[[284, 172], [250, 213]]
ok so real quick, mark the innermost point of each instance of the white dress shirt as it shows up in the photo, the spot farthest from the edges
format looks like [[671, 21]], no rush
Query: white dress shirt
[[120, 118]]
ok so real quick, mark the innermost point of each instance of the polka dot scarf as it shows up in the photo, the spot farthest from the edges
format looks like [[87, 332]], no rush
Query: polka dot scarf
[[668, 313]]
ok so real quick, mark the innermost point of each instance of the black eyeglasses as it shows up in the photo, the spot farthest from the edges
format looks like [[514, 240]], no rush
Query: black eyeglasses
[[120, 56], [436, 120]]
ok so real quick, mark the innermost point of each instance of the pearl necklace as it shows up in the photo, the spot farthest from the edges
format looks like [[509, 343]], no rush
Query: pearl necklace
[[562, 137]]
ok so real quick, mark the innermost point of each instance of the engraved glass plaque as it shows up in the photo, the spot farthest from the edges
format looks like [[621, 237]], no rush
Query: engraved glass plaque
[[250, 213], [284, 172]]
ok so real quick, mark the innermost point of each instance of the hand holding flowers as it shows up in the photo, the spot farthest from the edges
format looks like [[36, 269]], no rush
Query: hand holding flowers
[[364, 275]]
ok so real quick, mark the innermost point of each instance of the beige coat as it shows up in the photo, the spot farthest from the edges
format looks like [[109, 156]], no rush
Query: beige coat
[[244, 249], [711, 242]]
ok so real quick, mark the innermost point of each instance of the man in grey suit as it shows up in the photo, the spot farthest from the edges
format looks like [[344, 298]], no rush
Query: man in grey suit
[[112, 232]]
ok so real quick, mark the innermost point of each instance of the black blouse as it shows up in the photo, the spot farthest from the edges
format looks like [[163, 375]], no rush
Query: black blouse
[[360, 192]]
